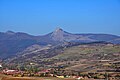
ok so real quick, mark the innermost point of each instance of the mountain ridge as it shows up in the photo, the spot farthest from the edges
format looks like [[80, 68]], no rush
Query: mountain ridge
[[14, 42], [58, 28]]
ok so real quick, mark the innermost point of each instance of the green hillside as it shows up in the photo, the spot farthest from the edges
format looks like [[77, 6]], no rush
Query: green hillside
[[92, 51], [90, 58]]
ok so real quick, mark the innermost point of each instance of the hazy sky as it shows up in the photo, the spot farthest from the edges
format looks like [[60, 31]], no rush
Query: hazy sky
[[39, 17]]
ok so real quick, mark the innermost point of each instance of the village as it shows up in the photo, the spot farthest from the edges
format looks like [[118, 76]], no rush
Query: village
[[59, 72], [51, 72]]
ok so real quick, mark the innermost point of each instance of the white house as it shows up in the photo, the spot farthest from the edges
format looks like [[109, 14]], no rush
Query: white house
[[0, 66]]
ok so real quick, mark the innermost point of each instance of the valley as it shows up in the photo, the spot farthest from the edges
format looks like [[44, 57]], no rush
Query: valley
[[60, 56]]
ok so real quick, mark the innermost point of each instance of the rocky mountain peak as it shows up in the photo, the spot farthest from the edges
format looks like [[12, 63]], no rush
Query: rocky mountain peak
[[57, 35], [58, 29]]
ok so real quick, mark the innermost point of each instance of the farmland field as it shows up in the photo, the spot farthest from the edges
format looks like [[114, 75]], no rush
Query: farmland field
[[3, 77]]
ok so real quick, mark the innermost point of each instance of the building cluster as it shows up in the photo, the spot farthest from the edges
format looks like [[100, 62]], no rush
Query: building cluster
[[60, 72]]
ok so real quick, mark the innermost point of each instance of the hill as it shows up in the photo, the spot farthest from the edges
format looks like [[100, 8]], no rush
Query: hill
[[93, 57], [79, 57]]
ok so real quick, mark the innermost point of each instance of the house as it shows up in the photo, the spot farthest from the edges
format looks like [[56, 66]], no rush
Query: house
[[0, 66], [44, 71], [60, 76], [79, 78], [10, 72]]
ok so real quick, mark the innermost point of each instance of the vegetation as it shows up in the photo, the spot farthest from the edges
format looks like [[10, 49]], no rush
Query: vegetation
[[93, 61]]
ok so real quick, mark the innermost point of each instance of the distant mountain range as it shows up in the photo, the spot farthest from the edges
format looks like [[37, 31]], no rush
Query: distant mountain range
[[12, 43]]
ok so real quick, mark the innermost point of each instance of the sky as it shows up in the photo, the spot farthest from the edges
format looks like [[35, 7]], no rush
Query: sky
[[39, 17]]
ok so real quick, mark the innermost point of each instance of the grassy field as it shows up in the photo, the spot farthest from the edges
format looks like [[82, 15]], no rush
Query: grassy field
[[3, 77], [35, 79]]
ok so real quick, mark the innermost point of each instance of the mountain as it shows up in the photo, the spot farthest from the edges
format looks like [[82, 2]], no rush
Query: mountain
[[60, 35], [12, 43]]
